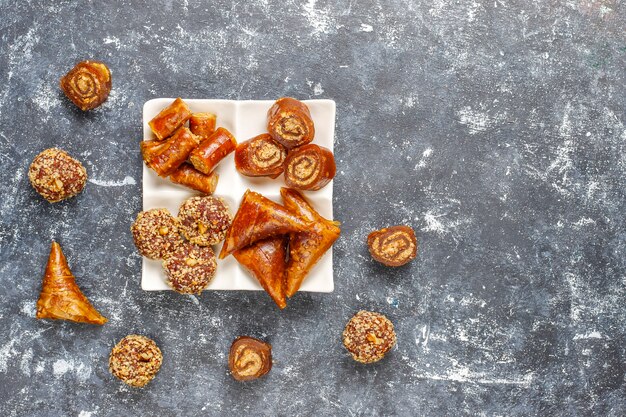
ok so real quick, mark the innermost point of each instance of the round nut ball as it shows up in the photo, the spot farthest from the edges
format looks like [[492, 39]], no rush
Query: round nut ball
[[190, 268], [205, 220], [368, 336], [135, 360], [56, 175], [156, 233]]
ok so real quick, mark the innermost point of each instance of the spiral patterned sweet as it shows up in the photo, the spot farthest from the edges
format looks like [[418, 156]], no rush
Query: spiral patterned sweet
[[249, 358], [88, 84], [309, 167], [289, 122], [260, 156], [393, 246]]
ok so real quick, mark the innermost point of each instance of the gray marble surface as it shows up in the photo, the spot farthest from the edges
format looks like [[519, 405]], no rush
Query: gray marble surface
[[494, 128]]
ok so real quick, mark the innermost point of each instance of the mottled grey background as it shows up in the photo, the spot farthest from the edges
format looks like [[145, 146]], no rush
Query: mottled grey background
[[494, 128]]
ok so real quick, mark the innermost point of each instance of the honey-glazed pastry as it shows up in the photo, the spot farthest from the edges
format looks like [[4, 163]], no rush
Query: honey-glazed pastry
[[204, 220], [60, 297], [55, 175], [259, 218], [170, 119], [202, 124], [265, 261], [393, 246], [310, 167], [368, 336], [289, 122], [151, 148], [174, 152], [88, 84], [260, 156], [212, 150], [306, 248], [249, 358], [135, 360], [156, 233], [190, 177], [190, 268]]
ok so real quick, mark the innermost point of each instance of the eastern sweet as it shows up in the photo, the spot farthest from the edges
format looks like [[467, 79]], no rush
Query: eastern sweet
[[204, 220], [190, 177], [260, 156], [310, 167], [289, 122], [202, 124], [156, 233], [170, 119], [212, 150], [259, 218], [265, 261], [166, 158], [307, 247], [393, 246], [368, 336], [55, 175], [190, 268], [60, 297], [135, 360], [249, 358], [88, 84]]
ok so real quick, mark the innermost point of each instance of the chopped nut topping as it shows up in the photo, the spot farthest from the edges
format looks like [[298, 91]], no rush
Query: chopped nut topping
[[163, 230]]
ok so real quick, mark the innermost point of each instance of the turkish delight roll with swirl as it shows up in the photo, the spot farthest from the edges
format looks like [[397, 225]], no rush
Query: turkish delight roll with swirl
[[393, 246], [88, 84], [289, 122], [310, 167], [260, 156]]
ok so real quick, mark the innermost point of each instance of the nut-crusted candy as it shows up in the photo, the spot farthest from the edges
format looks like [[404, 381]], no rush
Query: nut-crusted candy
[[190, 268], [56, 175], [204, 220], [368, 336], [135, 360], [156, 233]]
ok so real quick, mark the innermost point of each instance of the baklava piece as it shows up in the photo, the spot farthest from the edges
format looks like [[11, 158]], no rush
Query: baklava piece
[[88, 84], [368, 336], [135, 360]]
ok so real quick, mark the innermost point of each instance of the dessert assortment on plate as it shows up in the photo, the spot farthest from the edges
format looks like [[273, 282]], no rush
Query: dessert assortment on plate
[[277, 244]]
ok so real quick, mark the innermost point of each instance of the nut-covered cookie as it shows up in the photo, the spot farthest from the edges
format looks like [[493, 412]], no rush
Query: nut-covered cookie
[[55, 175], [135, 360], [156, 233], [368, 336], [190, 268], [204, 220]]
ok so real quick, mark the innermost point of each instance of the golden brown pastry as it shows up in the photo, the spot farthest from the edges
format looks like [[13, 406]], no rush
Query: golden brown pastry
[[170, 119], [306, 248], [265, 260], [212, 150], [202, 124], [393, 246], [60, 297], [55, 175], [289, 122], [135, 360], [310, 167], [190, 177], [259, 218], [88, 84], [368, 336], [249, 358], [260, 156], [168, 158]]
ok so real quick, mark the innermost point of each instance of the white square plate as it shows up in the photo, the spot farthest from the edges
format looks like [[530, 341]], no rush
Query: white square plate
[[244, 119]]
